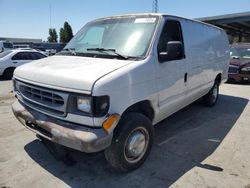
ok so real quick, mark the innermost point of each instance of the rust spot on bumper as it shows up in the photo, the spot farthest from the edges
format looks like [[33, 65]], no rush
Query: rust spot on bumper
[[68, 134]]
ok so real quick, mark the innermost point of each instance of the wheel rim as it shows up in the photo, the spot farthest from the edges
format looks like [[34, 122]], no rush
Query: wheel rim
[[215, 93], [136, 145]]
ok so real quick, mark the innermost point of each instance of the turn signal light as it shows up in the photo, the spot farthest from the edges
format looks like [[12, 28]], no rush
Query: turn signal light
[[110, 123]]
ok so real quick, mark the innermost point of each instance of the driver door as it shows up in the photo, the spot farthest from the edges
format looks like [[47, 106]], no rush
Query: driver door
[[171, 75]]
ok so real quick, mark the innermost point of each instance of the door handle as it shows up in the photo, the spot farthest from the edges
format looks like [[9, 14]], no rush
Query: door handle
[[14, 62], [185, 77]]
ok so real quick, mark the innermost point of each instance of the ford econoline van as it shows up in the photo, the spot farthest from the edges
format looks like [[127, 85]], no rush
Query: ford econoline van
[[117, 78]]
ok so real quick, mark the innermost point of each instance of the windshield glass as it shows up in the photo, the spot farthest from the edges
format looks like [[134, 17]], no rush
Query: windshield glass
[[240, 53], [120, 37]]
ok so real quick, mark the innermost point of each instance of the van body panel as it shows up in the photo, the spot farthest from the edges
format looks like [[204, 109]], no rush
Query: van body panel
[[130, 84], [205, 56]]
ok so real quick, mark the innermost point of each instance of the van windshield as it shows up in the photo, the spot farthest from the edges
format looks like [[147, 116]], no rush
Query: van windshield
[[120, 37]]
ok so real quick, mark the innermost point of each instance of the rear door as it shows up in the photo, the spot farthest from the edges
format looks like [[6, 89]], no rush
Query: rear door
[[171, 75]]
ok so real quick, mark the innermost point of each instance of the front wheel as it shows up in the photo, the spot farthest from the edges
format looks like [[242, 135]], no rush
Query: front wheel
[[131, 143], [211, 98]]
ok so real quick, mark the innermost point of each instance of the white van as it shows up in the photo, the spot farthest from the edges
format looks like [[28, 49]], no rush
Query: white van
[[4, 45], [117, 78]]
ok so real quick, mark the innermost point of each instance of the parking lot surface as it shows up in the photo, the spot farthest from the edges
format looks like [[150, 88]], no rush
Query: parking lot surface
[[196, 147]]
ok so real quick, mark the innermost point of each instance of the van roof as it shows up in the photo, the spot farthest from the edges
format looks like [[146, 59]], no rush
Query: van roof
[[160, 15]]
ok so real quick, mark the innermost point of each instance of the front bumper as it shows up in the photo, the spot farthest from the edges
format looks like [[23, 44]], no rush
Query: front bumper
[[239, 77], [74, 136]]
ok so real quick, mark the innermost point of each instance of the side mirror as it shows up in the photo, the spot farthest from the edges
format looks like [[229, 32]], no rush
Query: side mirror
[[174, 51]]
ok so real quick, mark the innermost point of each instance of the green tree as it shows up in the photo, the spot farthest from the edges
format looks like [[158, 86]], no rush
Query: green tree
[[61, 34], [66, 33], [52, 35]]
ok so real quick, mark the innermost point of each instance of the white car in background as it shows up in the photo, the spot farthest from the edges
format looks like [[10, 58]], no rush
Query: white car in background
[[11, 59]]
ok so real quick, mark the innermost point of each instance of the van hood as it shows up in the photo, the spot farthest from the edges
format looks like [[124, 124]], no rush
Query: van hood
[[240, 62], [71, 72]]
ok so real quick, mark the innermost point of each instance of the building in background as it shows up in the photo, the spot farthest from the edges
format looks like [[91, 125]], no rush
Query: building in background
[[236, 25], [21, 42], [51, 48]]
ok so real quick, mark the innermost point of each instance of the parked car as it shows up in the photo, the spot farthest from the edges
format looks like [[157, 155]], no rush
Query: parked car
[[50, 51], [4, 45], [239, 68], [117, 78], [11, 59]]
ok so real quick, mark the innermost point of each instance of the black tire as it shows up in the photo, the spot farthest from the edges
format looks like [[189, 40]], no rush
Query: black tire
[[8, 73], [131, 125], [211, 97]]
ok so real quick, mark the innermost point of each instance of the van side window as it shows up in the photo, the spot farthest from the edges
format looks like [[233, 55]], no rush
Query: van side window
[[171, 32]]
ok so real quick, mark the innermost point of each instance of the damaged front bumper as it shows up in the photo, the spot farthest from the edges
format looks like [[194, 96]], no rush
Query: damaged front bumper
[[72, 135]]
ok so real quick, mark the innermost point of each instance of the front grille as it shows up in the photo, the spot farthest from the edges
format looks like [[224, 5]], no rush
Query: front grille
[[43, 99], [245, 72], [233, 70]]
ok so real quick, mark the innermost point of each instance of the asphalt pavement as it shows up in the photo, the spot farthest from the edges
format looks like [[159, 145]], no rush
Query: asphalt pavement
[[196, 147]]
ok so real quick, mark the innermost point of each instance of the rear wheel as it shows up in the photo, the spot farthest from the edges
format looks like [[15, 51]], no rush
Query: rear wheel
[[8, 73], [131, 143], [211, 98]]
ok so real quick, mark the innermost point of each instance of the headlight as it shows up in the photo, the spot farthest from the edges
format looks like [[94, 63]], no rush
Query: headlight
[[245, 69], [88, 105], [84, 104]]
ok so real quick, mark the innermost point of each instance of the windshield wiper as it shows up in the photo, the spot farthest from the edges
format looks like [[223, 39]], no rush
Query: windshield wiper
[[108, 50], [70, 50]]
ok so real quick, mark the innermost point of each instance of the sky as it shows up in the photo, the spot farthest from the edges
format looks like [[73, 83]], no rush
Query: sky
[[31, 18]]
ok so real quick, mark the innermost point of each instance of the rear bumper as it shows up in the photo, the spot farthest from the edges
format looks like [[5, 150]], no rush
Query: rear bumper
[[239, 77], [74, 136]]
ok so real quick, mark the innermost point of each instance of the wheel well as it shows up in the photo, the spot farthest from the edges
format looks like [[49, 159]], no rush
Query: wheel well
[[9, 68], [143, 107], [218, 78]]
